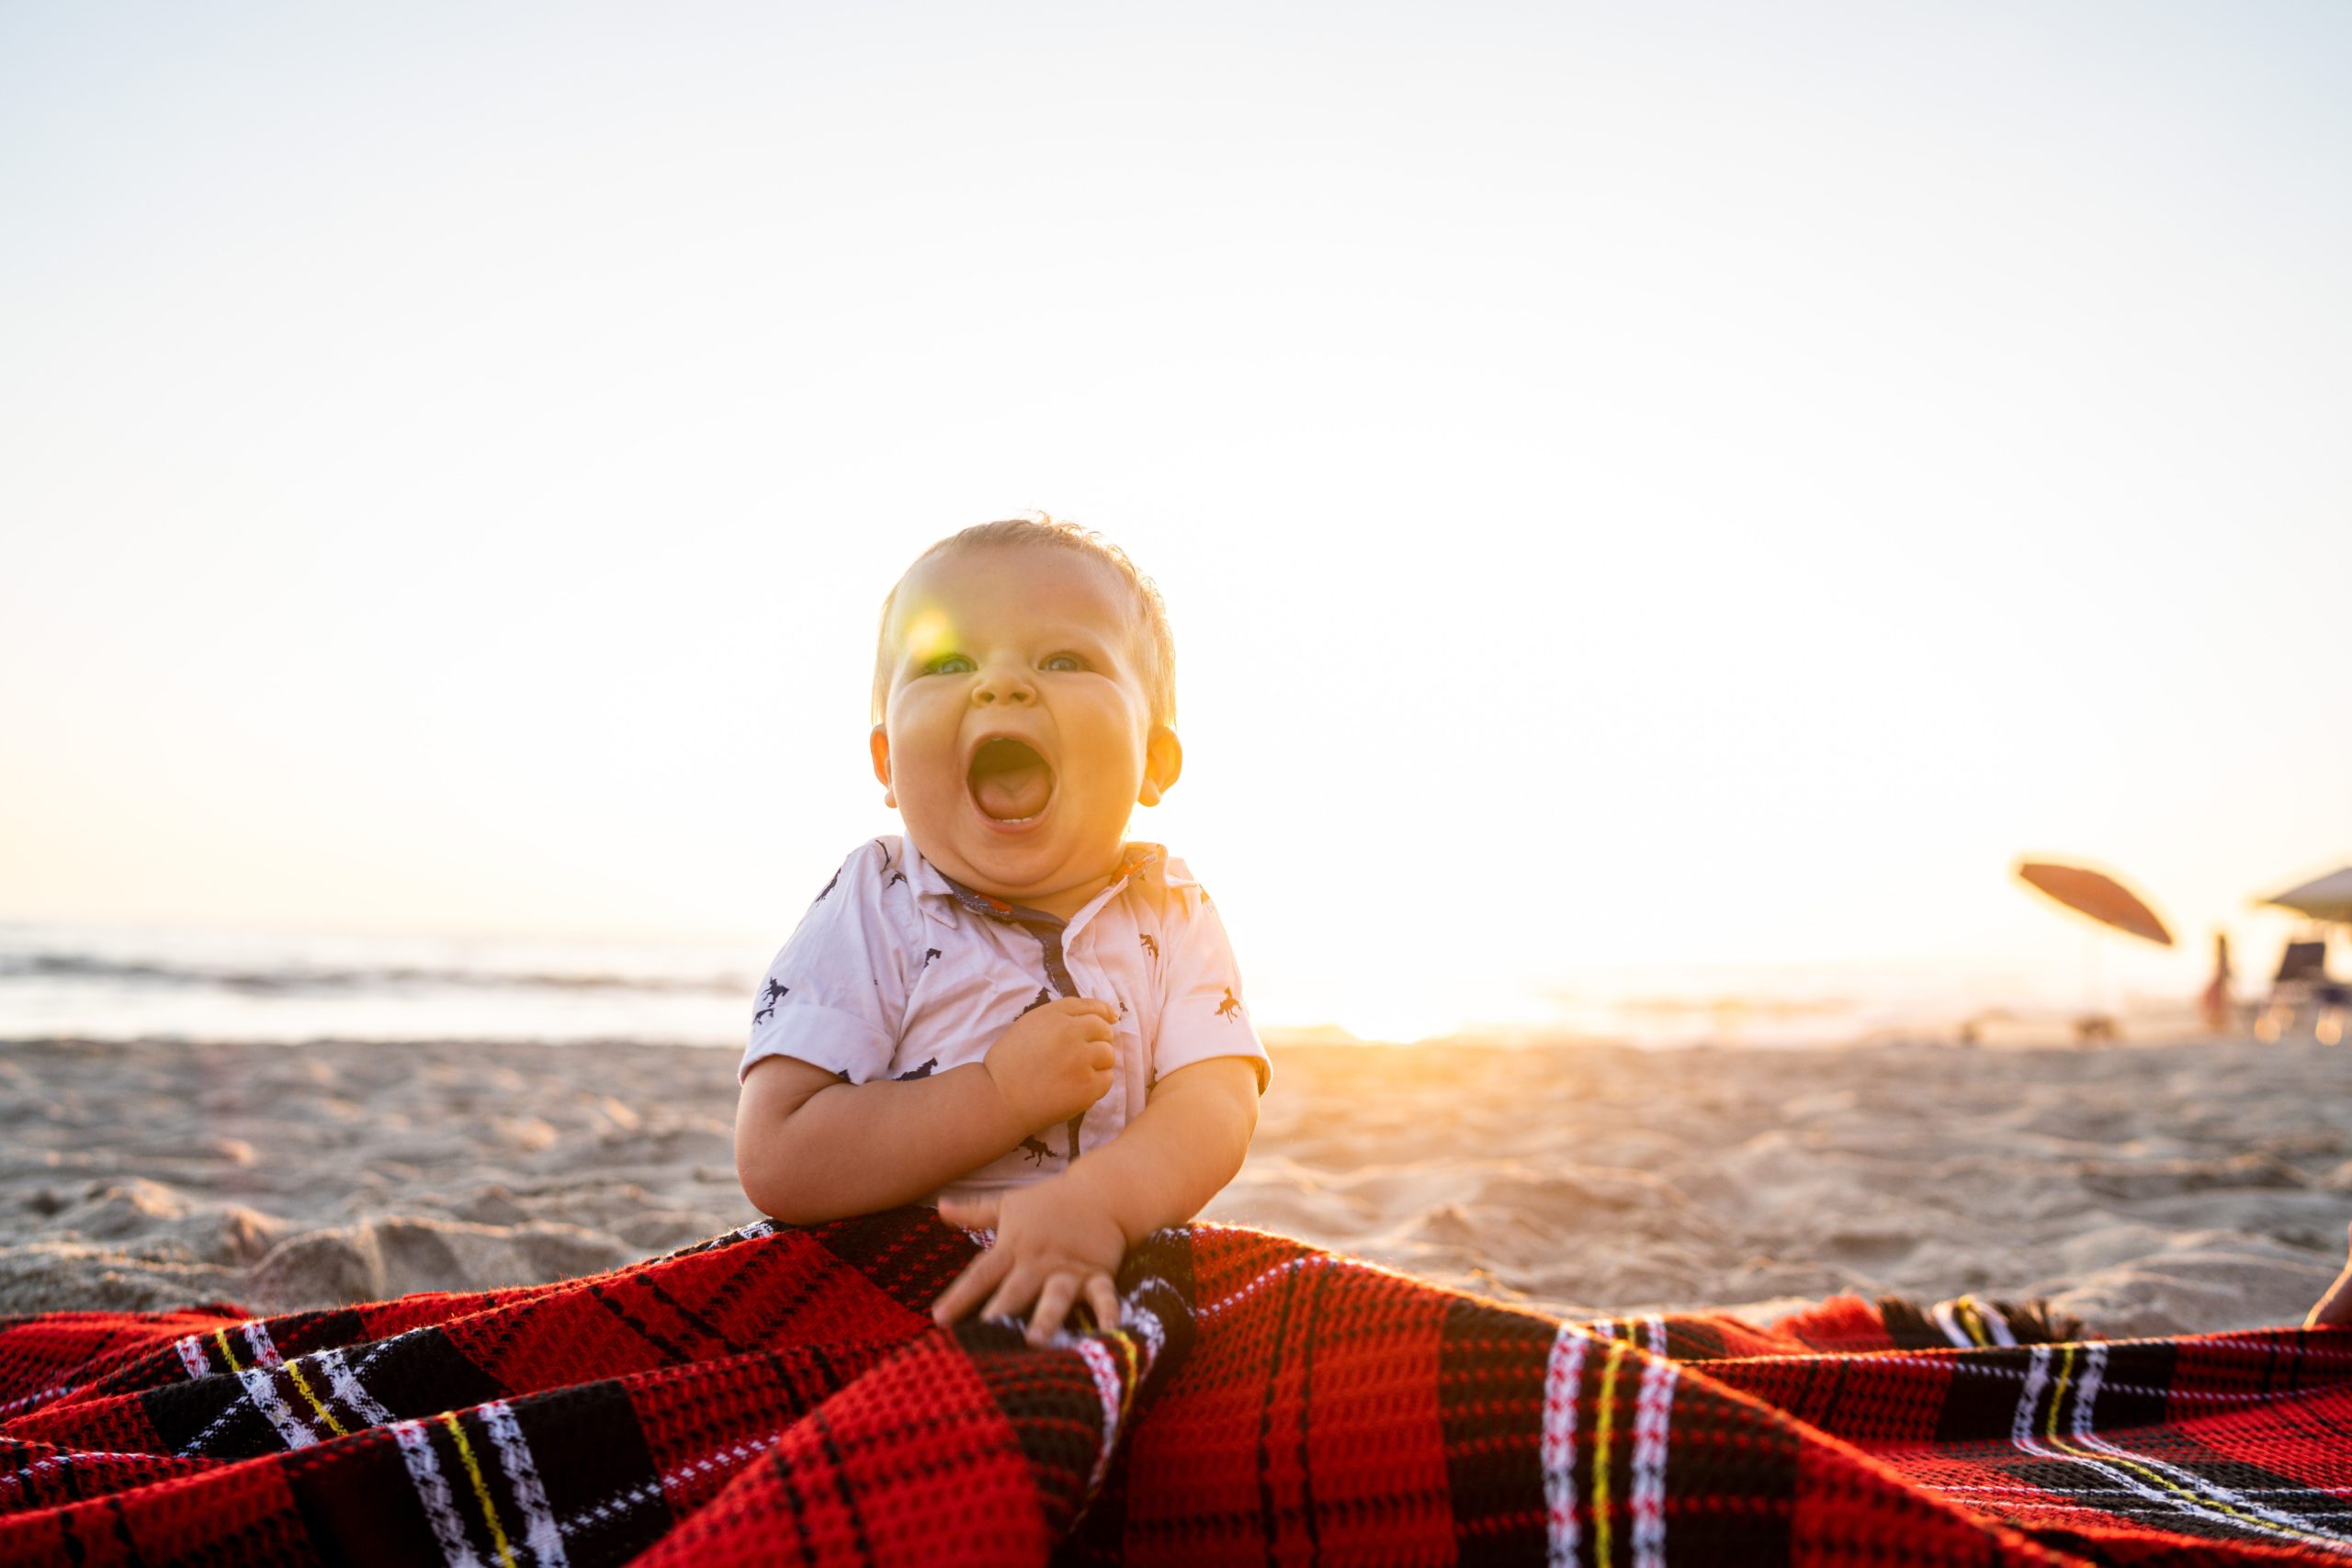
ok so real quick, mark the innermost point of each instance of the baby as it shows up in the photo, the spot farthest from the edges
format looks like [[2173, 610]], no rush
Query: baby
[[1011, 1009]]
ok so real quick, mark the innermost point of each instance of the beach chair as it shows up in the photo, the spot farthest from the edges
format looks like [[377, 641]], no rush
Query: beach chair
[[2301, 984]]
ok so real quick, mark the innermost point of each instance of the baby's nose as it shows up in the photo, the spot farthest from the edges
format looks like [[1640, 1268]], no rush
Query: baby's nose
[[1004, 686]]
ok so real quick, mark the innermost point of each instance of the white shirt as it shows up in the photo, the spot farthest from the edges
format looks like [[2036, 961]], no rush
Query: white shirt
[[898, 973]]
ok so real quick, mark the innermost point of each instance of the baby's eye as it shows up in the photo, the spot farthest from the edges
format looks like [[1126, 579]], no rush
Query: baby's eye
[[1062, 661], [948, 664]]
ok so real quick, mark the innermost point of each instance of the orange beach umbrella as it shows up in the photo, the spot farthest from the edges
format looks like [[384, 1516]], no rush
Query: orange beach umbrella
[[2098, 895]]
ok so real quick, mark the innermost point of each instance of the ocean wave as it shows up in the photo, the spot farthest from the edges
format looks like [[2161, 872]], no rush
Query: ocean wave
[[311, 979]]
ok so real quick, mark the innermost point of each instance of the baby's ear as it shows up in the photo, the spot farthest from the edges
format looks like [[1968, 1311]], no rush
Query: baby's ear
[[1163, 764], [878, 743]]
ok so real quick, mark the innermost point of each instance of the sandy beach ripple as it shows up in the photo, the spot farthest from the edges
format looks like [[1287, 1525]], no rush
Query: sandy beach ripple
[[2149, 1190]]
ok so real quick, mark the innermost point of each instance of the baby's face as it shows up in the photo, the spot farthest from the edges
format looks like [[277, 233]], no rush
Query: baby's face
[[1018, 734]]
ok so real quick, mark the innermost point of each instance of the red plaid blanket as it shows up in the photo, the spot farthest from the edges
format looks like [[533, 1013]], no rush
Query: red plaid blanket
[[780, 1395]]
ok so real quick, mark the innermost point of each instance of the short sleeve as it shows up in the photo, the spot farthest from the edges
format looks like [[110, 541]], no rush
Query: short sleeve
[[1203, 1016], [835, 994]]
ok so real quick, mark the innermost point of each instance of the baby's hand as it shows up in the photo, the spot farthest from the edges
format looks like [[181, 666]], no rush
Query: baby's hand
[[1054, 1061], [1054, 1241]]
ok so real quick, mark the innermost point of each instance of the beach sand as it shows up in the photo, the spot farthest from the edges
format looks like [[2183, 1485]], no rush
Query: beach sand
[[2149, 1190]]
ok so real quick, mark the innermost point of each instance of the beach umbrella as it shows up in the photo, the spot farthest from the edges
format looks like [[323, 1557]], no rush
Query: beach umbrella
[[2329, 898], [2095, 894]]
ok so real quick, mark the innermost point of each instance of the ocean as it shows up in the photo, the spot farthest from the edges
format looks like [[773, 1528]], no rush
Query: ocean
[[109, 983], [159, 983]]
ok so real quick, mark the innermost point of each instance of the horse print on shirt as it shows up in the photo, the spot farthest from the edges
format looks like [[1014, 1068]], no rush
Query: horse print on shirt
[[774, 993], [1231, 1006]]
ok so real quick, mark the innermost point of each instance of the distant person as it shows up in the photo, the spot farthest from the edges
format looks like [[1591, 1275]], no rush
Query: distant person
[[2216, 1004], [1012, 1010]]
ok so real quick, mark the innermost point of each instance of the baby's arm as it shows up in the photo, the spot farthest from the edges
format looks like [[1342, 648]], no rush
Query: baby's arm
[[810, 1145], [1064, 1238], [1179, 1153]]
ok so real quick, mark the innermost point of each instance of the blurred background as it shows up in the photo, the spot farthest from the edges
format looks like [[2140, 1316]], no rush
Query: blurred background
[[1662, 505]]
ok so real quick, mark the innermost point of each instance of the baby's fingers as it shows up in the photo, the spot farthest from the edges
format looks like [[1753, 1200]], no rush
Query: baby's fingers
[[1019, 1289], [974, 1282], [1103, 1297], [1053, 1306]]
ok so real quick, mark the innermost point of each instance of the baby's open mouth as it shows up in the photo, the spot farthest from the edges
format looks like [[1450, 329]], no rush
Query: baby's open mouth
[[1008, 779]]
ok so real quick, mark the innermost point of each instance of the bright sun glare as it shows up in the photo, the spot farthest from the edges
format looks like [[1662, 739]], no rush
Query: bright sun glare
[[1622, 498], [929, 632]]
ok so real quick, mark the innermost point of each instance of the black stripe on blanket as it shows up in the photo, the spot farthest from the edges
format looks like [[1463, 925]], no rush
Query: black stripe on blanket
[[1490, 1369], [1736, 1481]]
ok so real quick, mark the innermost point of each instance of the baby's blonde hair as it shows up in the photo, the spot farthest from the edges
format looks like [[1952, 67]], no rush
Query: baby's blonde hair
[[1154, 643]]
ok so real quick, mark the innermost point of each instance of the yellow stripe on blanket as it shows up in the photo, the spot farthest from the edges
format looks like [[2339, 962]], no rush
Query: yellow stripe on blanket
[[1604, 1426], [294, 1371], [481, 1490]]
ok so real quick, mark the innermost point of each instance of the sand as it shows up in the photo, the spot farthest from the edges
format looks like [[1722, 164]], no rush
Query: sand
[[2150, 1190]]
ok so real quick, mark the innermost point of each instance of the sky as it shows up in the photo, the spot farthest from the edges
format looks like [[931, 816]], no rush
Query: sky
[[1638, 487]]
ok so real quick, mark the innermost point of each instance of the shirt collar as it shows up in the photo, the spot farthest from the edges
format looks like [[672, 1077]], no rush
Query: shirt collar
[[1138, 863]]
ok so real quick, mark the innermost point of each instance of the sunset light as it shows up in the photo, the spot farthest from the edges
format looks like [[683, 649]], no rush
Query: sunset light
[[1621, 506]]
